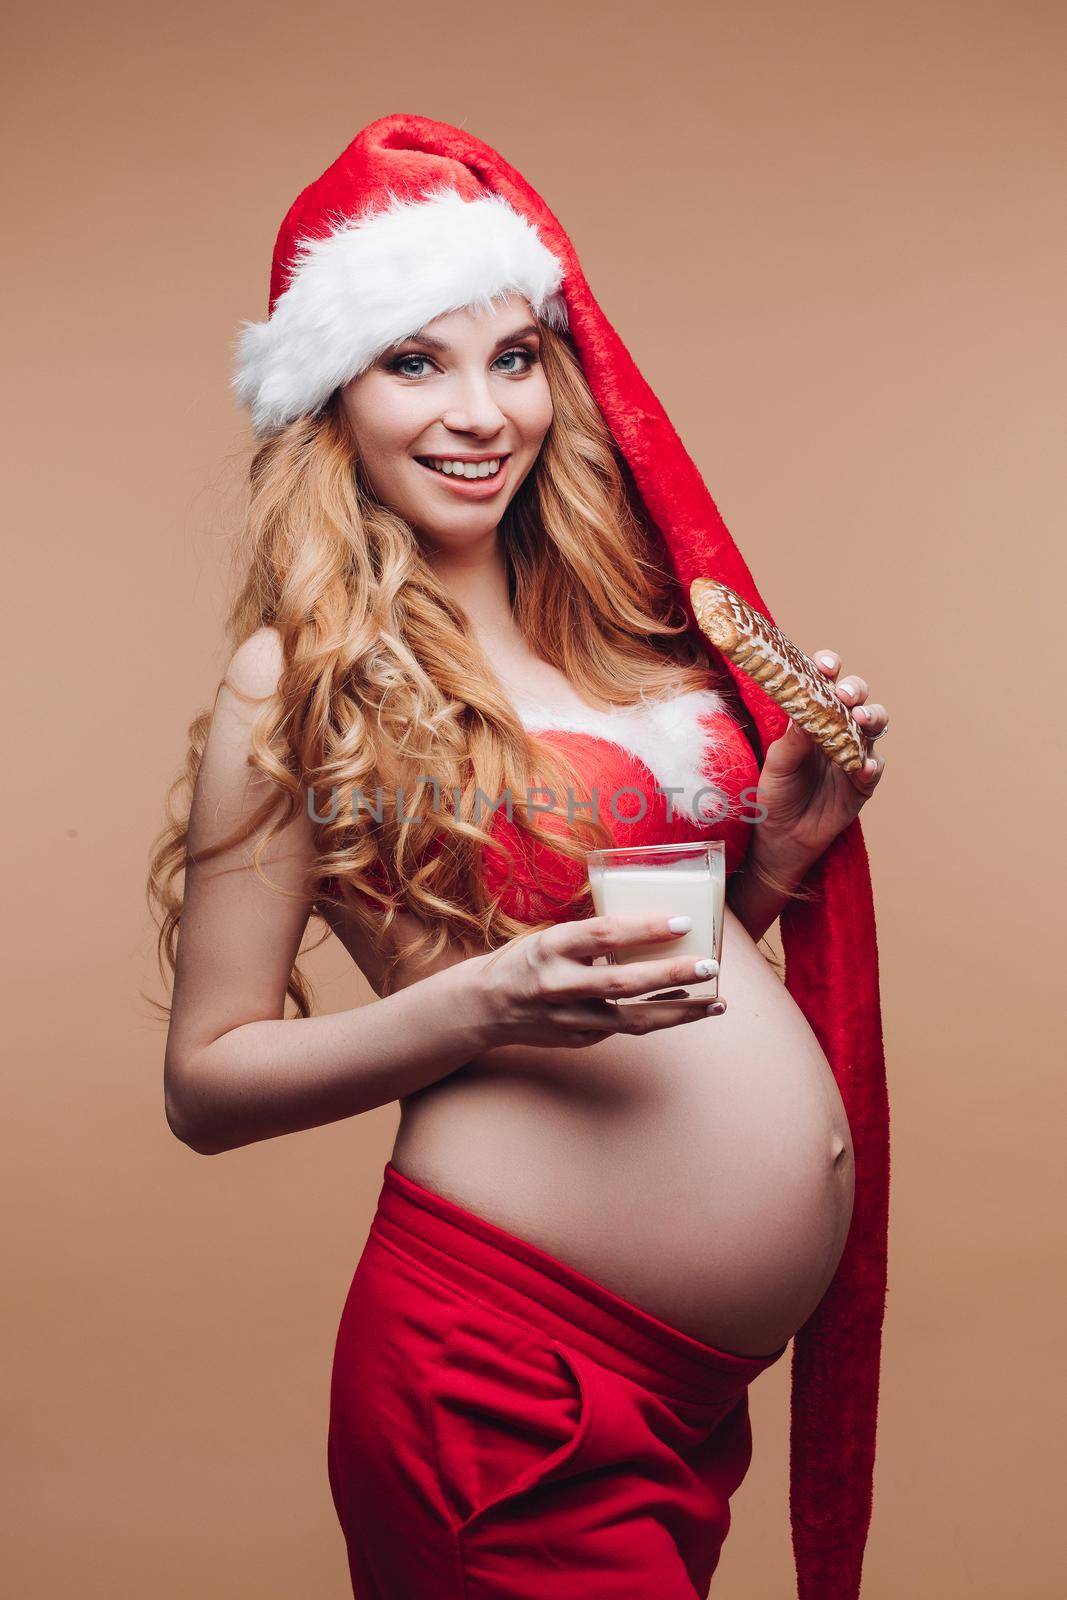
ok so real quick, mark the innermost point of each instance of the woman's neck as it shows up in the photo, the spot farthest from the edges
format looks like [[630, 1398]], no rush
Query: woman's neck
[[477, 580], [475, 576]]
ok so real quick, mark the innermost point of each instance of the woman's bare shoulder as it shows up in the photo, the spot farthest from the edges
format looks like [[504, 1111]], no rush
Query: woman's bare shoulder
[[255, 668]]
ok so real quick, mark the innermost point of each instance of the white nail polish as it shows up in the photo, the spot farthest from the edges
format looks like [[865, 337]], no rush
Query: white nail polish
[[679, 924], [706, 969]]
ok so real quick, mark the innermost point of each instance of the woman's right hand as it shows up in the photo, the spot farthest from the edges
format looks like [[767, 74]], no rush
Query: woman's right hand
[[542, 988]]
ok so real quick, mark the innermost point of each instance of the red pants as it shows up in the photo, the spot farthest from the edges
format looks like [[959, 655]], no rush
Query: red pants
[[504, 1428]]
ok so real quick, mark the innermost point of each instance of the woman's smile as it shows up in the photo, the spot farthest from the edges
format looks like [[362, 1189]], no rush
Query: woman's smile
[[473, 477]]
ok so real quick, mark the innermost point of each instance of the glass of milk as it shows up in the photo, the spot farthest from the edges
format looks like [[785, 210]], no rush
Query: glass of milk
[[669, 880]]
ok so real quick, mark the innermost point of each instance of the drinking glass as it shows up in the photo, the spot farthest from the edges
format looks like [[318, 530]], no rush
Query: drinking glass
[[668, 880]]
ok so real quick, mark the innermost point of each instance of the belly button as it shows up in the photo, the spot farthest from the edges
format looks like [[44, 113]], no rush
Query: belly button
[[838, 1148]]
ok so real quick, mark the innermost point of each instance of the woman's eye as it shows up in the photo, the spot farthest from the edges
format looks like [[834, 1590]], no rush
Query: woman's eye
[[414, 365], [401, 363], [527, 358]]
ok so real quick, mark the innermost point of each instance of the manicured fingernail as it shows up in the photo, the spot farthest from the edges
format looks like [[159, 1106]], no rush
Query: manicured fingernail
[[861, 713], [706, 969], [824, 659], [679, 924], [716, 1008]]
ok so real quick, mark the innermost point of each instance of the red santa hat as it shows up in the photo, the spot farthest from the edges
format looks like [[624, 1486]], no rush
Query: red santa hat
[[347, 283], [416, 218]]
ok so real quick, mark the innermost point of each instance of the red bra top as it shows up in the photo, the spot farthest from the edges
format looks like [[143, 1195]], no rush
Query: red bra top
[[662, 772]]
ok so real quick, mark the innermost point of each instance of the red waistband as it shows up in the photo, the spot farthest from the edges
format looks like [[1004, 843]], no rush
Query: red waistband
[[510, 1274]]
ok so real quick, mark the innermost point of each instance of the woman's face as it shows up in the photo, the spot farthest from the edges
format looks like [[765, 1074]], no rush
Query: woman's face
[[468, 389]]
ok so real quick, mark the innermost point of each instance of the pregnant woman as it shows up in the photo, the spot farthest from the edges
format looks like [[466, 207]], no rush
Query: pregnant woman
[[463, 656]]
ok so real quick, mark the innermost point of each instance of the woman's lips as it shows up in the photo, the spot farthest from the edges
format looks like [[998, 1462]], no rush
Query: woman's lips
[[471, 488]]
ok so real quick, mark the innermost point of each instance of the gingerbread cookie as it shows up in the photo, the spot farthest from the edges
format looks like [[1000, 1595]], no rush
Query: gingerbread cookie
[[793, 681]]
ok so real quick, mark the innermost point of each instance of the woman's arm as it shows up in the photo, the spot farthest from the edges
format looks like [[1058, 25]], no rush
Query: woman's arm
[[236, 1069], [754, 902], [266, 1078], [808, 799]]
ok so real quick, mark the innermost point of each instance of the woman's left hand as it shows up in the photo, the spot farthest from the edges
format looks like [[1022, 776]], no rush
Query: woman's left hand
[[809, 798]]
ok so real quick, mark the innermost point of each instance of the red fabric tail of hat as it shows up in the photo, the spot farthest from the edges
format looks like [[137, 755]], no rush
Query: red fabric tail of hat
[[830, 942]]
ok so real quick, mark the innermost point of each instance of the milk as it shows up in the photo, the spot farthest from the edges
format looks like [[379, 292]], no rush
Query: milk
[[685, 889]]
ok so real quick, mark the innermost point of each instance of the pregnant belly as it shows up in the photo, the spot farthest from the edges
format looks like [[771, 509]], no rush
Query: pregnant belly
[[703, 1172]]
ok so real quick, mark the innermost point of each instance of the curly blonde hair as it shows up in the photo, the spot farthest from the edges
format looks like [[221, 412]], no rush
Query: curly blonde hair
[[384, 682]]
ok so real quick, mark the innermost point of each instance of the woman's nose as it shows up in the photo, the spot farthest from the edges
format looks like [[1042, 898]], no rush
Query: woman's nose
[[472, 409]]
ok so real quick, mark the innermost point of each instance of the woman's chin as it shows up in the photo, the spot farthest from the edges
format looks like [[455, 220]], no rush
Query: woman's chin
[[469, 517]]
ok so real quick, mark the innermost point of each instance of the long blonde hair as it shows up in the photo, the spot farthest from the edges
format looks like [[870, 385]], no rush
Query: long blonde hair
[[384, 682]]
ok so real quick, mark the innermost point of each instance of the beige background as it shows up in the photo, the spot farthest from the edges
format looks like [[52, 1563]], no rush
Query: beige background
[[833, 238]]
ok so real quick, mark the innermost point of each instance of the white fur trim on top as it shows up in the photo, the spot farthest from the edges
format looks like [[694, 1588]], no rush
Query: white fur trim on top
[[669, 736], [379, 277]]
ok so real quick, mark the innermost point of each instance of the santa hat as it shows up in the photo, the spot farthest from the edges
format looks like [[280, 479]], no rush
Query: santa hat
[[416, 218]]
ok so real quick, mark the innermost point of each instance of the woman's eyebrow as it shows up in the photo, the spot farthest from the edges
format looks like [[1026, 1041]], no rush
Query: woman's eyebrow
[[441, 344]]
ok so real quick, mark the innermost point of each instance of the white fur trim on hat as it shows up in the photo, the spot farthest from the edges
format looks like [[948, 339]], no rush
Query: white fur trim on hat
[[378, 278]]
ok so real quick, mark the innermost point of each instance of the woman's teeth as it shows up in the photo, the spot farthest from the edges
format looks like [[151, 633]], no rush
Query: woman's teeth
[[465, 469]]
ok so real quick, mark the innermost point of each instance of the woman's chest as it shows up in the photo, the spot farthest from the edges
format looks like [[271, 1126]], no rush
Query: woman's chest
[[670, 772]]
